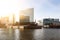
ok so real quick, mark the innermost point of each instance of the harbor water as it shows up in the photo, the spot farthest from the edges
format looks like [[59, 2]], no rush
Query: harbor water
[[29, 34]]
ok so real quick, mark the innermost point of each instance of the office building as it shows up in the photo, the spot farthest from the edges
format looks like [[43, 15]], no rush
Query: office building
[[24, 19], [28, 15], [48, 21], [4, 20]]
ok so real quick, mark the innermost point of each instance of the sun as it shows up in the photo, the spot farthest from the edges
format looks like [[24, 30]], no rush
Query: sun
[[8, 8]]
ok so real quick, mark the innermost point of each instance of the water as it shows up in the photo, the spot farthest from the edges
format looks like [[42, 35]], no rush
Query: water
[[29, 34]]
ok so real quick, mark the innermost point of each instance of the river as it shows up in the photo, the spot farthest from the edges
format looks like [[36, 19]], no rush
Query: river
[[30, 34]]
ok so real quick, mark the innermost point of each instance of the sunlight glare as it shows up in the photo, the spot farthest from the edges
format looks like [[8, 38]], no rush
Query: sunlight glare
[[8, 7]]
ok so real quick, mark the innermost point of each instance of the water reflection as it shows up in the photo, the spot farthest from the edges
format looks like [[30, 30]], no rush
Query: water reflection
[[38, 34], [51, 34], [27, 34], [3, 34], [30, 34], [10, 34], [17, 34]]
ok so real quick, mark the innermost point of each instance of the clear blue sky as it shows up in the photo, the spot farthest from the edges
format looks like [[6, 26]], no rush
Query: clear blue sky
[[45, 8]]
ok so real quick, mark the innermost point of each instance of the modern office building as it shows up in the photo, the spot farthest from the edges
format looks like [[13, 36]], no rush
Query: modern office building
[[24, 19], [27, 15], [56, 20], [4, 20], [48, 21], [12, 19]]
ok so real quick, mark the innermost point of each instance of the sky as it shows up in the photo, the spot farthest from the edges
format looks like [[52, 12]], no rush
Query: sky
[[42, 8], [46, 8]]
